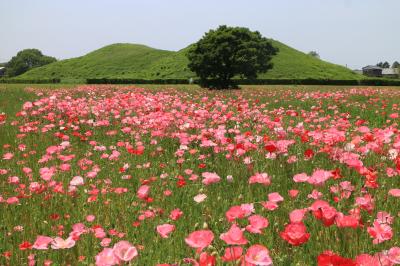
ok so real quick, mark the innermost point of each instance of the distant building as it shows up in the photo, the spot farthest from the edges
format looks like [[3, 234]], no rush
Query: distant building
[[372, 71], [2, 71], [390, 72]]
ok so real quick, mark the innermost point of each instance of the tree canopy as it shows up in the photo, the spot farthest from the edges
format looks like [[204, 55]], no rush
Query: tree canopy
[[26, 60], [314, 54], [383, 64], [227, 52]]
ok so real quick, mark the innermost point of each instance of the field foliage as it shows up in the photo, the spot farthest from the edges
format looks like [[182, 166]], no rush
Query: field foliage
[[105, 174]]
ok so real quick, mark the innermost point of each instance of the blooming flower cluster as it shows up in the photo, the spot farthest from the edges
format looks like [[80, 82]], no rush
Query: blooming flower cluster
[[121, 175]]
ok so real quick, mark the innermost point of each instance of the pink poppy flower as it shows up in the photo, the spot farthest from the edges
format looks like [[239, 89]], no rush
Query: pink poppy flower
[[106, 258], [234, 236], [293, 193], [232, 254], [315, 194], [248, 208], [270, 205], [42, 242], [324, 212], [319, 177], [384, 218], [210, 178], [99, 232], [257, 255], [236, 212], [12, 200], [8, 156], [200, 198], [303, 177], [297, 216], [27, 170], [200, 239], [275, 197], [342, 220], [295, 234], [165, 229], [175, 214], [366, 202], [31, 260], [383, 258], [257, 223], [380, 232], [65, 167], [125, 251], [105, 242], [207, 259], [13, 180], [90, 218], [395, 192], [47, 173], [77, 230], [367, 260], [76, 181], [59, 243], [260, 178], [394, 255], [143, 192]]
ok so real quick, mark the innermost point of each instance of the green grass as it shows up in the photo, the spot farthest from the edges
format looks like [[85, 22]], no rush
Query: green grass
[[142, 62]]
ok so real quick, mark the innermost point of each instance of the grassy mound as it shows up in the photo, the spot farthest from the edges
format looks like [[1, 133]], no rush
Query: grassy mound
[[143, 62]]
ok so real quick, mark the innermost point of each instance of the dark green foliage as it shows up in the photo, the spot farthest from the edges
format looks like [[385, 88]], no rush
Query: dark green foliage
[[309, 81], [383, 65], [26, 60], [136, 81], [396, 64], [227, 52], [314, 54], [29, 81]]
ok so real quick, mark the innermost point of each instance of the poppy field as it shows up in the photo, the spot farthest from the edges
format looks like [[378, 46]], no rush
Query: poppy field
[[122, 175]]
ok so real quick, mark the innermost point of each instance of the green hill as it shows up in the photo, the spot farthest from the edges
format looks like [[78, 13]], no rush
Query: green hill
[[143, 62]]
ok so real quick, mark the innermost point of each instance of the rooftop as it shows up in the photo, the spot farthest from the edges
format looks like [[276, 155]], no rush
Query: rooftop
[[372, 67]]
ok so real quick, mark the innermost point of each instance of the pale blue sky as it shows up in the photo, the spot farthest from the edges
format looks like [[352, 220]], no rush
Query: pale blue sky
[[352, 32]]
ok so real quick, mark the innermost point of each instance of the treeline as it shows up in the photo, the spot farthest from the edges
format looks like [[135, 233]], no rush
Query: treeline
[[350, 82], [29, 81], [26, 60]]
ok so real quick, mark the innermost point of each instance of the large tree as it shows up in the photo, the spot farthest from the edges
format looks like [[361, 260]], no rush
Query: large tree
[[396, 64], [228, 52], [26, 60]]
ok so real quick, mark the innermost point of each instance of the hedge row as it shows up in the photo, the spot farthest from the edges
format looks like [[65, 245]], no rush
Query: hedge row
[[365, 82], [351, 82], [30, 81], [136, 81]]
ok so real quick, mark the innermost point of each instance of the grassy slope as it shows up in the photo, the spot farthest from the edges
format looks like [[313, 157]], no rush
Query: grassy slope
[[110, 61], [291, 63], [138, 61]]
